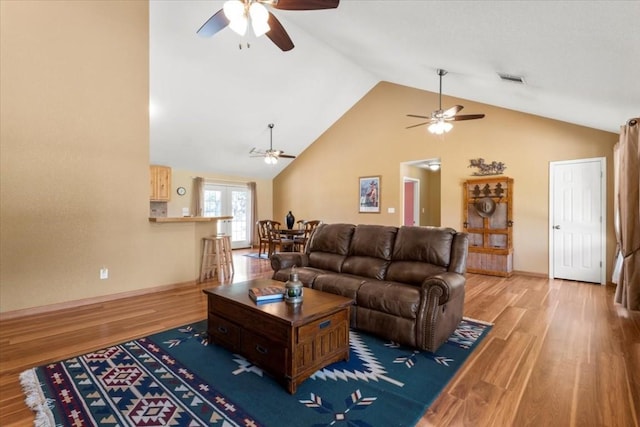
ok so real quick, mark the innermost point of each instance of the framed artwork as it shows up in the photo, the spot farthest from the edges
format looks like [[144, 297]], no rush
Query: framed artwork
[[369, 191]]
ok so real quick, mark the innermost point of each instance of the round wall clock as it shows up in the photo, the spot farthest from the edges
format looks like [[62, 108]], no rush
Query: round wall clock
[[181, 191]]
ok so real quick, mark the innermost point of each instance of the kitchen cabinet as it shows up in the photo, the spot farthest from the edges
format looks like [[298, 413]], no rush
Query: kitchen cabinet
[[160, 179]]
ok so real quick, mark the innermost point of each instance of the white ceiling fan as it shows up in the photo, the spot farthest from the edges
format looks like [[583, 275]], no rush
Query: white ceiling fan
[[439, 119], [271, 156], [236, 14]]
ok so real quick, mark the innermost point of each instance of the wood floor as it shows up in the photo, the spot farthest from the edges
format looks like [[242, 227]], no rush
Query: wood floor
[[560, 353]]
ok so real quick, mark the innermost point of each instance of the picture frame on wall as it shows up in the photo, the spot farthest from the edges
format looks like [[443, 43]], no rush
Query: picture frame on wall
[[369, 194]]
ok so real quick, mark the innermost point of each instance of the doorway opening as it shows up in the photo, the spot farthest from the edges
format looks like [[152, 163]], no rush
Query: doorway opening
[[421, 192], [230, 200]]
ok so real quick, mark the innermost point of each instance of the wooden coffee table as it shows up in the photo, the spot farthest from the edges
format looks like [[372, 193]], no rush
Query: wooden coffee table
[[289, 342]]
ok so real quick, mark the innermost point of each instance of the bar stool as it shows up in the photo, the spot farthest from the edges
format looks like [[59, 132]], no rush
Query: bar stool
[[216, 258], [227, 256]]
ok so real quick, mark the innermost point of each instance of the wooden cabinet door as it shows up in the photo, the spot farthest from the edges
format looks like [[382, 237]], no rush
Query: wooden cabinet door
[[488, 207], [160, 177]]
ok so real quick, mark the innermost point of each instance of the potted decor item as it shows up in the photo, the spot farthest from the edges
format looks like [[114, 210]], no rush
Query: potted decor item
[[290, 220], [293, 288]]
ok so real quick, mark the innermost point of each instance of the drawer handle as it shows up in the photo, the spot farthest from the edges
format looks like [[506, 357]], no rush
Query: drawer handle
[[222, 329], [325, 324], [260, 349]]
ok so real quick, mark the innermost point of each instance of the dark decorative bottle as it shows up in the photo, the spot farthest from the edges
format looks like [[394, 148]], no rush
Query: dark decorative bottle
[[290, 220]]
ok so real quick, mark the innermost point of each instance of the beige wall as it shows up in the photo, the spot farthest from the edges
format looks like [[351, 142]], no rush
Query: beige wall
[[371, 139], [74, 157]]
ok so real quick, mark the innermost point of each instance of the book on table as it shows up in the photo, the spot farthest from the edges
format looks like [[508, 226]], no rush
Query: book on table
[[269, 293]]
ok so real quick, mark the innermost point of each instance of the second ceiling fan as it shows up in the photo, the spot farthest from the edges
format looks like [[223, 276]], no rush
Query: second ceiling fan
[[238, 13], [271, 156], [439, 119]]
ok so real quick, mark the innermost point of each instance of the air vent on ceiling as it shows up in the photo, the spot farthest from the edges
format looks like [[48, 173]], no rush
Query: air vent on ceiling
[[511, 78]]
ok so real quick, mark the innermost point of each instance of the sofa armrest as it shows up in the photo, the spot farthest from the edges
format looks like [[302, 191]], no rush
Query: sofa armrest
[[447, 286], [282, 260]]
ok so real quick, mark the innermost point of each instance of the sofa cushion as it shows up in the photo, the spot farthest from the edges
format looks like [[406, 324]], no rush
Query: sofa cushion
[[370, 251], [367, 267], [412, 272], [339, 284], [306, 275], [332, 238], [374, 241], [393, 298], [424, 244], [326, 261], [329, 246]]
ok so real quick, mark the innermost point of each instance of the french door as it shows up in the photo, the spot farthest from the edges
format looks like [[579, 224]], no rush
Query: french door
[[230, 200], [578, 218]]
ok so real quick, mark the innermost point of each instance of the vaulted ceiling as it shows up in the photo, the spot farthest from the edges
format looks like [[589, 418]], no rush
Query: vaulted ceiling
[[211, 99]]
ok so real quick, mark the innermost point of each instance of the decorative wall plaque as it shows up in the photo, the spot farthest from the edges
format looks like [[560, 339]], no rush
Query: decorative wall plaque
[[493, 168]]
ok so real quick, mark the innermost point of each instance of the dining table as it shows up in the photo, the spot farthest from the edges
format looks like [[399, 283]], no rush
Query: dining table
[[290, 234]]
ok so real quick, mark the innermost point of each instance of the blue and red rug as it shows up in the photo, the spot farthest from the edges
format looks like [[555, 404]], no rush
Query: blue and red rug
[[174, 378]]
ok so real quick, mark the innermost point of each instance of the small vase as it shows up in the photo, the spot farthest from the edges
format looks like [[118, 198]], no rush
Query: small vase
[[290, 220]]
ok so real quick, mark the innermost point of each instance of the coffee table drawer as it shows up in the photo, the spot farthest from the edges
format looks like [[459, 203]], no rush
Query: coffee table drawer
[[265, 353], [257, 321], [322, 326], [224, 332]]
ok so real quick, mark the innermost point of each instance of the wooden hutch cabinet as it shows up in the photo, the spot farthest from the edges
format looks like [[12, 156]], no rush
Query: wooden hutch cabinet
[[488, 218], [160, 179]]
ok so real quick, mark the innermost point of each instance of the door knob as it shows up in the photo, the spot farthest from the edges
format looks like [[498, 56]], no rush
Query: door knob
[[557, 227]]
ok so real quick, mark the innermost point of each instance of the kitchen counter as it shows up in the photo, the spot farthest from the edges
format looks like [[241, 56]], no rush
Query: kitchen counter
[[189, 219]]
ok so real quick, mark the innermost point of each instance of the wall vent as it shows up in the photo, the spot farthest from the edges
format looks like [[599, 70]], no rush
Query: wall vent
[[511, 78]]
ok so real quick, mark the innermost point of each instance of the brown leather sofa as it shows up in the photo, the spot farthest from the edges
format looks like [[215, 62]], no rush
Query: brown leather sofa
[[407, 282]]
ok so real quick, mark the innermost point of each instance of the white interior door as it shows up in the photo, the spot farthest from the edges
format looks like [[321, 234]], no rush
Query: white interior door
[[577, 234]]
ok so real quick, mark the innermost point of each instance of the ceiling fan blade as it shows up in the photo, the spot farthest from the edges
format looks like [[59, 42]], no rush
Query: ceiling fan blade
[[465, 117], [305, 4], [278, 35], [419, 124], [452, 111], [420, 117], [286, 156], [214, 24]]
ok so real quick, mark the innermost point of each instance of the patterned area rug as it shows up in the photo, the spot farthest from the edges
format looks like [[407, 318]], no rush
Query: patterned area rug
[[262, 256], [175, 378]]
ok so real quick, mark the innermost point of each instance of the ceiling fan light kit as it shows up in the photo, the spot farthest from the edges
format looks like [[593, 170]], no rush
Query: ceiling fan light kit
[[439, 121], [271, 156], [440, 127], [236, 14]]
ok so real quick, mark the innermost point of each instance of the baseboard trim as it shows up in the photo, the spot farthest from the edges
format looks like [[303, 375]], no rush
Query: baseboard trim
[[530, 274], [15, 314]]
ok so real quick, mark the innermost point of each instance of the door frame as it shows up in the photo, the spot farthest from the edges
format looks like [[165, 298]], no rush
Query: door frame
[[416, 199], [226, 226], [603, 212]]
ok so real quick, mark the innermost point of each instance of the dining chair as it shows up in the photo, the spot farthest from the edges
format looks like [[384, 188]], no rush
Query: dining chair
[[300, 242], [277, 240], [263, 235]]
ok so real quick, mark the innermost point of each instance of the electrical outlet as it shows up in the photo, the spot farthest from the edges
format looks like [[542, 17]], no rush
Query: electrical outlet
[[104, 273]]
